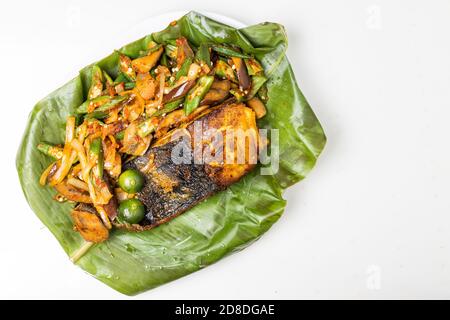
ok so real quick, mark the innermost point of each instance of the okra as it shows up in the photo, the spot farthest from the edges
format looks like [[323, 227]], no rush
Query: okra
[[203, 54], [196, 94], [238, 94], [168, 107], [120, 135], [125, 67], [149, 51], [52, 151], [253, 67], [121, 78], [129, 85], [83, 108], [257, 83], [96, 150], [102, 111], [228, 51], [96, 88], [184, 68], [171, 50], [224, 71], [146, 127]]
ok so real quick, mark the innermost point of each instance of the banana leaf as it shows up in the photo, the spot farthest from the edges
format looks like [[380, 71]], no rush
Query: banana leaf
[[223, 224]]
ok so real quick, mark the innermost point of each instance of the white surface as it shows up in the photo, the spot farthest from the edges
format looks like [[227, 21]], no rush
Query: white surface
[[371, 220]]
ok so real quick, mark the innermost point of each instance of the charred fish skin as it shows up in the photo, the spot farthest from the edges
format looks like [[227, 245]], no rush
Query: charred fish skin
[[172, 188]]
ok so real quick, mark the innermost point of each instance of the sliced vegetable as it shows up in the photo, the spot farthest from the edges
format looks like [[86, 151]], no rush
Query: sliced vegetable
[[169, 107], [224, 71], [184, 51], [197, 93], [147, 127], [132, 143], [68, 156], [171, 50], [164, 60], [96, 87], [184, 68], [89, 225], [238, 94], [203, 55], [258, 107], [152, 47], [72, 193], [77, 183], [126, 67], [257, 83], [178, 92], [52, 151], [109, 84], [253, 67], [228, 51], [121, 78], [241, 71], [131, 211], [96, 151], [102, 111], [145, 85], [129, 85], [131, 181], [217, 93], [119, 135], [92, 104], [144, 64]]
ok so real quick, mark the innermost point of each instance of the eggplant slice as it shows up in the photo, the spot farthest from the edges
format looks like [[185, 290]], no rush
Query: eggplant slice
[[172, 187]]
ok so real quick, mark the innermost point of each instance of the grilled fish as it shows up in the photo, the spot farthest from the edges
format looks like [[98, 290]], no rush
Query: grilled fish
[[195, 161]]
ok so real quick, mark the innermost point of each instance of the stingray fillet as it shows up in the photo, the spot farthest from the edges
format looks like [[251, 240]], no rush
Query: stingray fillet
[[171, 187]]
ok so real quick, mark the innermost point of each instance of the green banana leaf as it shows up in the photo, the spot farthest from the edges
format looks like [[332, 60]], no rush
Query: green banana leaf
[[223, 224]]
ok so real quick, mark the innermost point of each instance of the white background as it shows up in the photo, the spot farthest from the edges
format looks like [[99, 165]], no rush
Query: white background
[[370, 221]]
